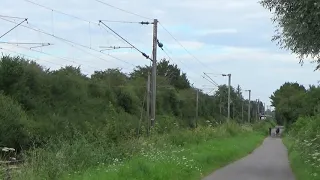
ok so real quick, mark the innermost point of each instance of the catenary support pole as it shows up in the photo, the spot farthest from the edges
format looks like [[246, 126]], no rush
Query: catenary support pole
[[148, 104], [154, 72]]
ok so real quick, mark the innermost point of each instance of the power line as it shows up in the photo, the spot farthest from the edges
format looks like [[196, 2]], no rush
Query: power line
[[85, 20], [164, 49], [117, 37], [122, 9], [26, 43], [39, 45], [211, 79], [14, 27], [70, 15], [143, 54], [14, 17], [66, 40], [110, 48], [128, 22], [62, 58], [182, 45], [21, 54]]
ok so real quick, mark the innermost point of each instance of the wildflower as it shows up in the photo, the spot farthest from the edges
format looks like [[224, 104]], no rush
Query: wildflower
[[6, 149]]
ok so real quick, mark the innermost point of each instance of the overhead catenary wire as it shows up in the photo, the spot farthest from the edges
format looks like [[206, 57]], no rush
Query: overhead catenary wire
[[194, 57], [79, 19], [123, 10], [76, 17], [13, 17], [167, 51], [70, 15], [57, 57], [26, 43], [143, 54], [62, 58], [34, 58], [25, 20], [211, 79], [69, 41], [41, 45], [128, 22], [66, 14]]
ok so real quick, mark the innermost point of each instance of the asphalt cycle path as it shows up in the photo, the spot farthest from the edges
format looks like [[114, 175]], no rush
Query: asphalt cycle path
[[268, 162]]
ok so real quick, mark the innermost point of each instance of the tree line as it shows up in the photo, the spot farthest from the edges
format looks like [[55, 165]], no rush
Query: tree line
[[38, 104], [293, 100]]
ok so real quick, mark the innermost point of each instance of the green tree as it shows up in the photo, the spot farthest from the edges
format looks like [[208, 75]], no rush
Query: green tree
[[170, 72], [14, 129], [297, 24], [288, 101]]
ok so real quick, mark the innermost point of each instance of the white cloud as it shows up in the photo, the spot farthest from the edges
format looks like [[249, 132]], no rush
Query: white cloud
[[216, 31]]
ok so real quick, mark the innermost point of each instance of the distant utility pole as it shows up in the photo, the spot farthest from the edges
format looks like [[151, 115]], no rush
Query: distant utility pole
[[249, 106], [229, 99], [154, 72], [197, 108], [148, 103]]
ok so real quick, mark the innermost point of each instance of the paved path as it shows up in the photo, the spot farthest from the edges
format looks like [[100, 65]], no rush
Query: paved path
[[268, 162]]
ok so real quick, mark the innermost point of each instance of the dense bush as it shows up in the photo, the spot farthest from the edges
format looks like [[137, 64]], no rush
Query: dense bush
[[305, 134], [65, 103], [293, 100], [298, 108], [14, 129]]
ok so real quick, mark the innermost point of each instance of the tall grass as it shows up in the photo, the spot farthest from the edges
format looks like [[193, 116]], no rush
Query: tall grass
[[303, 142], [85, 154], [189, 162]]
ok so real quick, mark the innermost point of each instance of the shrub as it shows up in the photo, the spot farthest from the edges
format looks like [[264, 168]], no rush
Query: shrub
[[14, 130], [306, 135]]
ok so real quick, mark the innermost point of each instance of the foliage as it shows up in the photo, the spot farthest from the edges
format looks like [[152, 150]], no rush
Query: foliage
[[292, 101], [297, 24], [14, 124], [298, 108], [304, 145], [64, 103], [64, 121], [82, 157], [191, 162]]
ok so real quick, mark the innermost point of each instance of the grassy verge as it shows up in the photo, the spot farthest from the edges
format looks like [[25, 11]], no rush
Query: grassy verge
[[182, 154], [301, 167], [190, 162]]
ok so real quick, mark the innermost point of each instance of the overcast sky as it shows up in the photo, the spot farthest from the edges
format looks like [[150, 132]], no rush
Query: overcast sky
[[224, 36]]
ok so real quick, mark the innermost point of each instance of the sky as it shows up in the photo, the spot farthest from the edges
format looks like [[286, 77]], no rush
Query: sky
[[217, 37]]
